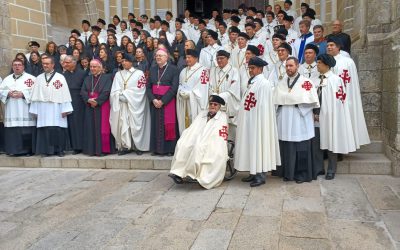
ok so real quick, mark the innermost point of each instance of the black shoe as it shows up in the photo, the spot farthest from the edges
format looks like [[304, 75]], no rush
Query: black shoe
[[123, 152], [340, 157], [61, 154], [329, 176], [154, 154], [299, 181], [76, 152], [45, 155], [258, 181], [170, 154], [285, 179], [176, 179], [248, 178], [138, 152]]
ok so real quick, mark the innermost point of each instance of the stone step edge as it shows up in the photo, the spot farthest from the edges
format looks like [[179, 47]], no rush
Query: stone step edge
[[365, 163]]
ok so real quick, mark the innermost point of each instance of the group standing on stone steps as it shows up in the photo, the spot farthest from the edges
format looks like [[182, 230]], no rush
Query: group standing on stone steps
[[276, 86]]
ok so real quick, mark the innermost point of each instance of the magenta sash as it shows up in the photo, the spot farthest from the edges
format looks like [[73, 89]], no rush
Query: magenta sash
[[105, 129], [169, 112]]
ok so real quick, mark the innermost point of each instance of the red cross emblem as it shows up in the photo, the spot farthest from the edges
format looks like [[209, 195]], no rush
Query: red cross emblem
[[250, 101], [345, 77], [142, 82], [29, 82], [340, 95], [57, 84], [307, 85], [224, 132], [204, 78], [261, 49]]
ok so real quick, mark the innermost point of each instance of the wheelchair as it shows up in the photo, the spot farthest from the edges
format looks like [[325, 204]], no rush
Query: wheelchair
[[231, 172]]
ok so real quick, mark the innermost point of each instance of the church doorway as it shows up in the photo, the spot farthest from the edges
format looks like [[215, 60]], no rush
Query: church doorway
[[201, 7]]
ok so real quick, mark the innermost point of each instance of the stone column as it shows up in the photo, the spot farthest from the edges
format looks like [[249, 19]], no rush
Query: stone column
[[152, 8], [323, 11], [107, 11], [333, 10], [174, 8], [130, 6], [119, 8], [142, 7], [5, 38]]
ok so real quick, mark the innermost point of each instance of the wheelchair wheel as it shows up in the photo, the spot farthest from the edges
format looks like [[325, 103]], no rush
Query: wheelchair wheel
[[231, 172]]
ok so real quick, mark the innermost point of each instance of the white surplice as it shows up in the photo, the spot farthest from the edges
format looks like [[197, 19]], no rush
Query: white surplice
[[257, 146], [17, 110], [130, 120], [192, 97], [201, 153], [346, 69]]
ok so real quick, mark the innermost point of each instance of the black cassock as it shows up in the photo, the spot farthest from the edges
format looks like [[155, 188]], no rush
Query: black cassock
[[97, 137], [75, 119], [163, 85]]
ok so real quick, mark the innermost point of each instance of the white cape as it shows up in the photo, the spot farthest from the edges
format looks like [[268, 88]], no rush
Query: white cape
[[130, 121], [202, 152], [257, 146]]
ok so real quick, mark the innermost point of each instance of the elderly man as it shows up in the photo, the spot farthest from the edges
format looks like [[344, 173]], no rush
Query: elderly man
[[75, 76], [130, 112], [333, 131], [257, 146], [201, 152], [95, 92], [295, 98], [161, 92], [20, 125], [193, 90], [225, 82], [51, 103]]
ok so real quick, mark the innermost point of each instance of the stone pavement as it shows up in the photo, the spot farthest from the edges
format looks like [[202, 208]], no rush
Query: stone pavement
[[131, 209]]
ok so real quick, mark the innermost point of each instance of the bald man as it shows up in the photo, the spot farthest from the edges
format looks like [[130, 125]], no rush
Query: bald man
[[337, 32]]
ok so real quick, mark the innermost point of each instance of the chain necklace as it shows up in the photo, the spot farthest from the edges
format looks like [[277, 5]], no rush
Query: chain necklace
[[123, 79], [220, 79], [186, 73], [280, 72], [94, 84], [158, 74]]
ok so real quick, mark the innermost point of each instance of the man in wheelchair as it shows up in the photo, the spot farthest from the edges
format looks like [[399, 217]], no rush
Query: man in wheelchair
[[201, 153]]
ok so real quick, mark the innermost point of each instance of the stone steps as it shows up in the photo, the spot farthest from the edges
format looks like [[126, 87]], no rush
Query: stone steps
[[373, 147], [355, 163]]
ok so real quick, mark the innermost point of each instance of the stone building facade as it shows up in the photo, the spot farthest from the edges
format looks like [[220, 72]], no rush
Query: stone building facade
[[373, 24]]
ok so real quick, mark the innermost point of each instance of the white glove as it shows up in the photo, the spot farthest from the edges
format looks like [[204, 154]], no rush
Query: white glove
[[122, 98], [184, 94]]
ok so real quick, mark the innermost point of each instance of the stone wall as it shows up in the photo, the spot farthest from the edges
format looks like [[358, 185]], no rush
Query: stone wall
[[5, 38]]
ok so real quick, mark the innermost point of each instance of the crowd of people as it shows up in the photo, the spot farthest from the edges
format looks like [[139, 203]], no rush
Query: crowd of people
[[269, 80]]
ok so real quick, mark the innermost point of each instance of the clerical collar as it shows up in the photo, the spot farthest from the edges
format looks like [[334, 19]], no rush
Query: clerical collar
[[165, 64]]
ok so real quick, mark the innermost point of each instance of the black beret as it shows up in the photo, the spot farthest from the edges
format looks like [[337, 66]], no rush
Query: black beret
[[33, 43], [145, 32], [288, 2], [287, 47], [217, 99], [253, 9], [76, 32], [136, 30], [236, 19], [165, 23], [259, 21], [335, 41], [313, 47], [131, 14], [244, 35], [288, 18], [250, 18], [86, 21], [223, 53], [201, 21], [305, 5], [258, 62], [327, 60], [280, 36], [310, 13], [151, 20], [235, 11], [192, 52], [96, 28], [132, 21], [112, 31], [139, 24], [213, 34], [128, 57], [226, 11], [101, 21], [223, 24], [253, 49], [179, 20], [250, 25], [282, 31], [234, 29], [112, 26], [144, 16], [157, 18]]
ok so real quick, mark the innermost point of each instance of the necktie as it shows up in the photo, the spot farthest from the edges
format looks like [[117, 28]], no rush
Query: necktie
[[85, 39]]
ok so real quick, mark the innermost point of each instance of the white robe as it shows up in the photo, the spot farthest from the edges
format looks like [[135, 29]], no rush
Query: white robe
[[245, 76], [271, 57], [17, 110], [50, 100], [229, 47], [309, 70], [226, 84], [277, 73], [192, 97], [201, 153], [208, 56], [257, 146], [297, 44], [336, 133], [346, 69], [238, 57], [295, 124], [130, 121]]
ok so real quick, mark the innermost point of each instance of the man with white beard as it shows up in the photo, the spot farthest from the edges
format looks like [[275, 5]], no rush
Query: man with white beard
[[257, 146], [346, 69], [192, 95], [130, 114]]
